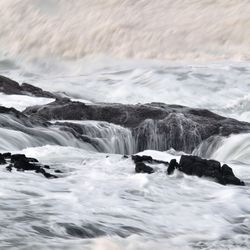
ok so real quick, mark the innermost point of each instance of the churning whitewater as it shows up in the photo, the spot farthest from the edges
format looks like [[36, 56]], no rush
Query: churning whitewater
[[108, 58], [99, 202]]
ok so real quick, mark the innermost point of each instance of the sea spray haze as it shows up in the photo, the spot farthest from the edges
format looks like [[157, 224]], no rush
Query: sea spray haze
[[163, 29], [182, 52]]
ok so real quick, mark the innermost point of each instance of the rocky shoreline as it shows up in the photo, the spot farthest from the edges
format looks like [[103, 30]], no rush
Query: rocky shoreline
[[155, 126]]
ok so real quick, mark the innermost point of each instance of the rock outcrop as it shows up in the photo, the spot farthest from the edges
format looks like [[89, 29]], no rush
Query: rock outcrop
[[10, 87], [190, 165], [22, 163], [154, 126], [194, 165]]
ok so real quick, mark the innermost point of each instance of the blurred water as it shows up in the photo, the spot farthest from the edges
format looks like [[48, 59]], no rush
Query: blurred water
[[75, 47]]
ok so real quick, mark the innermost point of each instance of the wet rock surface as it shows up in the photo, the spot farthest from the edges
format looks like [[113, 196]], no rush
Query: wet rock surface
[[141, 167], [194, 165], [190, 165], [2, 160], [22, 163], [10, 87], [154, 126]]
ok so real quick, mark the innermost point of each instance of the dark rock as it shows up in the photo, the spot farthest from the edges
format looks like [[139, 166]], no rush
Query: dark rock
[[2, 160], [161, 162], [138, 158], [9, 168], [46, 174], [50, 176], [172, 166], [35, 91], [125, 157], [229, 177], [141, 167], [58, 171], [32, 159], [174, 126], [18, 157], [10, 87], [7, 155], [194, 165], [23, 164]]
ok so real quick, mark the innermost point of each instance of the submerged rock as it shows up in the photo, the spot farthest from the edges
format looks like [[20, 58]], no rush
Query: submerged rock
[[194, 165], [141, 167]]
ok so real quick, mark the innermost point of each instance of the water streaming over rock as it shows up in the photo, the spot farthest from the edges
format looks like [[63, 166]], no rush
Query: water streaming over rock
[[99, 203]]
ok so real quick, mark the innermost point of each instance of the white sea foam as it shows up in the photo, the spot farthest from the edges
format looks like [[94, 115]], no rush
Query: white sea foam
[[21, 102], [102, 196], [100, 203]]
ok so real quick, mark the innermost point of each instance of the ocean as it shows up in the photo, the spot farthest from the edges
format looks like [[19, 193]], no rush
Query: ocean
[[192, 53]]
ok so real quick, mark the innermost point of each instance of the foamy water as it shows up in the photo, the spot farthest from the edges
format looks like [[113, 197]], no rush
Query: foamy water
[[75, 47], [100, 203]]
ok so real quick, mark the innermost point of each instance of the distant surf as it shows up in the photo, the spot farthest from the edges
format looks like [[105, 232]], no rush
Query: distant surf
[[161, 29]]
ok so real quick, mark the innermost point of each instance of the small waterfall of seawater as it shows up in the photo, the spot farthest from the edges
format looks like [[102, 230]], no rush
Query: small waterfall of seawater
[[16, 136], [105, 137], [207, 147], [235, 147], [175, 131]]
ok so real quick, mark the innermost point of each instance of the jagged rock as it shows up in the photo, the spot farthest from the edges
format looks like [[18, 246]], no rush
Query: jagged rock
[[9, 168], [172, 166], [2, 160], [35, 91], [10, 87], [7, 155], [22, 163], [146, 158], [18, 157], [229, 177], [194, 165], [138, 158], [141, 167]]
